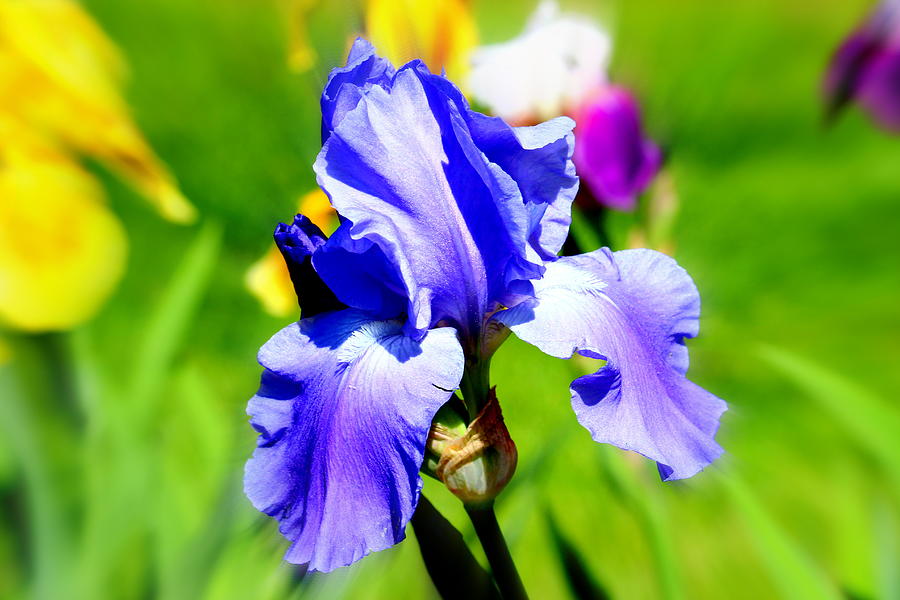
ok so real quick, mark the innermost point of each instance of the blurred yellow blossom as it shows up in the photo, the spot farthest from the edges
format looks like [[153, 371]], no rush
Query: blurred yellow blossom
[[60, 75], [62, 251], [268, 279], [440, 32], [301, 54]]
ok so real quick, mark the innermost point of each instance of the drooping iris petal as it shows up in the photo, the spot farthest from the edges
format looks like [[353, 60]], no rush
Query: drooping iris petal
[[404, 170], [633, 308], [343, 412], [614, 157]]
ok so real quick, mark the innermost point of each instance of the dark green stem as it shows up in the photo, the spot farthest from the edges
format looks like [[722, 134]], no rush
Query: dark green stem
[[476, 385], [451, 566], [491, 538]]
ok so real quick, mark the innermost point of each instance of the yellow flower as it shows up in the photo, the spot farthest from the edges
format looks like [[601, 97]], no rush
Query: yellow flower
[[268, 279], [440, 32], [60, 75], [62, 251], [301, 54]]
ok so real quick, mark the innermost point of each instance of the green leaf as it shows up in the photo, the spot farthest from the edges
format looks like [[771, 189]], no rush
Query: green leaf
[[792, 570], [172, 317], [649, 510], [868, 419], [582, 583], [448, 560]]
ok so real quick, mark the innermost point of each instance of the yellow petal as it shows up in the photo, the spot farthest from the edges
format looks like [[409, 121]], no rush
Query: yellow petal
[[269, 282], [61, 75], [440, 32], [301, 54], [317, 208], [61, 249]]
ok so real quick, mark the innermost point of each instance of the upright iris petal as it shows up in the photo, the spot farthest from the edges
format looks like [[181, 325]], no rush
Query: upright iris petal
[[410, 170]]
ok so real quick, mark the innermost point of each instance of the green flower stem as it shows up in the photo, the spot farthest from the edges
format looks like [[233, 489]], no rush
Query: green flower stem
[[475, 385], [502, 567]]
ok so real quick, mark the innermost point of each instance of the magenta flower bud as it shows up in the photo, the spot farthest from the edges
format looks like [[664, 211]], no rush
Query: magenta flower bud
[[866, 68], [612, 155]]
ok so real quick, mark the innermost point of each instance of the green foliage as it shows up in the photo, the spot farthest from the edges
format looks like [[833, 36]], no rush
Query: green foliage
[[123, 443]]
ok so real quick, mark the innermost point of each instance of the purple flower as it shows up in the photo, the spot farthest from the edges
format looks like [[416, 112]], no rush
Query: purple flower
[[612, 154], [866, 68], [451, 225]]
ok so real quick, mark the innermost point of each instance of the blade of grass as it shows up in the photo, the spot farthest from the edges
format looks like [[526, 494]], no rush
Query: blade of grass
[[171, 319], [872, 423], [39, 439], [649, 511], [582, 583], [791, 569], [124, 467], [448, 560]]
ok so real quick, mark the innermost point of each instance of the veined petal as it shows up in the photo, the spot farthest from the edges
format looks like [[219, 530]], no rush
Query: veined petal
[[538, 158], [345, 84], [343, 411], [634, 309], [404, 171]]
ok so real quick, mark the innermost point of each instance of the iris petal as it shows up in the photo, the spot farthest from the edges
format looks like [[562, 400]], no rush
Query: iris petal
[[343, 411], [403, 169], [633, 308]]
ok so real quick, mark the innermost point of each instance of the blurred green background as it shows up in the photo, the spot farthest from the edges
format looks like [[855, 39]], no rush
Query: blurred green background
[[131, 489]]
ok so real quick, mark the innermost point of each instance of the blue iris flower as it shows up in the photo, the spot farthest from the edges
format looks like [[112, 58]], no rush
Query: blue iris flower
[[451, 222]]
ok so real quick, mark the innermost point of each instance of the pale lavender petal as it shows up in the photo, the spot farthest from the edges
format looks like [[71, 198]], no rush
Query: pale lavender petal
[[633, 308], [343, 411]]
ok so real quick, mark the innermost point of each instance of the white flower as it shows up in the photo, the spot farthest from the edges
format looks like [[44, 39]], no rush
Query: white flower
[[551, 66]]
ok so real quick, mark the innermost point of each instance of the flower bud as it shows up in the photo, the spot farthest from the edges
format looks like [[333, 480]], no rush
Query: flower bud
[[476, 463]]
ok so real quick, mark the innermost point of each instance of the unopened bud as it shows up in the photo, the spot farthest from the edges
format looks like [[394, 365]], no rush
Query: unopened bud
[[477, 463]]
